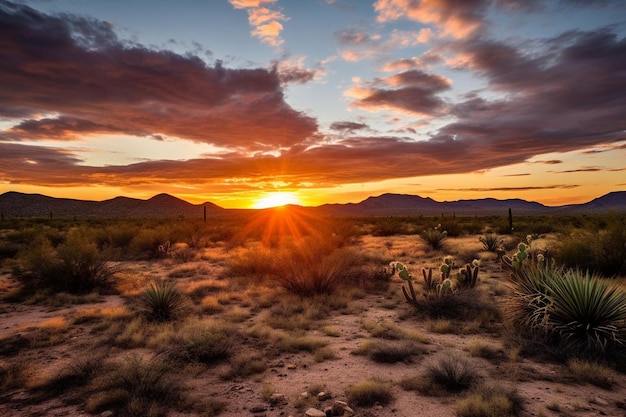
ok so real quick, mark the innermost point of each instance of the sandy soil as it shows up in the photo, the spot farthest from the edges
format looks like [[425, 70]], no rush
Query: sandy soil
[[544, 387]]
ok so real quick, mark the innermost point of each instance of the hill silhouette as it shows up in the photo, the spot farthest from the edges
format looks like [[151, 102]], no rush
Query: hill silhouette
[[15, 204]]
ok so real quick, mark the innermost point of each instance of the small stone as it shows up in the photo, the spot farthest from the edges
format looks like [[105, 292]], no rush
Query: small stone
[[328, 411], [323, 396], [107, 413], [349, 411], [292, 366], [304, 395], [258, 409], [314, 412], [600, 401], [339, 408]]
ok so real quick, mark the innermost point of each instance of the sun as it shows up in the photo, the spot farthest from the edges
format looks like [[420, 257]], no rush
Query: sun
[[276, 199]]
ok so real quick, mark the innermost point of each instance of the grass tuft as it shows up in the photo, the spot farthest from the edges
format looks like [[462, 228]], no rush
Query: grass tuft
[[369, 393]]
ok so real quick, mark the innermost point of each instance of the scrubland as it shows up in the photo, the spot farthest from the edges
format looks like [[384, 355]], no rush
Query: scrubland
[[276, 312]]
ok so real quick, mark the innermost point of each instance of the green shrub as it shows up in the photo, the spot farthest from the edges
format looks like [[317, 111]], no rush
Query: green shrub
[[581, 313], [76, 266], [162, 301]]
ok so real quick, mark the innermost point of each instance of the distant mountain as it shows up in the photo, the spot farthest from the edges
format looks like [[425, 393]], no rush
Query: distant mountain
[[412, 205], [13, 204]]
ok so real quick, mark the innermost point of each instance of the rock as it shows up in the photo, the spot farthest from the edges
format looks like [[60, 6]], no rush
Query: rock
[[348, 411], [258, 409], [323, 396], [107, 413], [328, 411], [292, 366], [314, 412], [600, 401], [339, 408], [278, 399]]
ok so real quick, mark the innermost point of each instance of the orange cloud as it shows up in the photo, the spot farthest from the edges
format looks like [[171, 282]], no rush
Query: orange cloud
[[264, 21], [454, 18]]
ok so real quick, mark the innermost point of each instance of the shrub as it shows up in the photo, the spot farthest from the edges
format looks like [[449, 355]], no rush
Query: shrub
[[434, 237], [368, 393], [579, 312], [76, 266], [490, 401], [162, 301], [491, 242], [138, 387], [452, 372], [308, 268], [197, 341], [593, 373], [391, 351]]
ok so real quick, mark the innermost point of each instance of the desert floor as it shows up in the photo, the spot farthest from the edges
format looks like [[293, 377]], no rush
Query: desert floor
[[60, 335]]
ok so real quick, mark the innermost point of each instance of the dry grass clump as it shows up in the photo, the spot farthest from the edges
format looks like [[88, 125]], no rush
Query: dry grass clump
[[369, 393], [245, 364], [137, 387], [391, 331], [14, 374], [592, 373], [386, 351], [485, 350], [452, 372], [490, 400], [195, 341]]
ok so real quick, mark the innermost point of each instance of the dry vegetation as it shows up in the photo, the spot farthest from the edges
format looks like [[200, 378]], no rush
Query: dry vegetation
[[278, 313]]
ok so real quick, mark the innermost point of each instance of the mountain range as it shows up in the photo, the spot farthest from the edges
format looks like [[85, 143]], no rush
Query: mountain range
[[15, 204]]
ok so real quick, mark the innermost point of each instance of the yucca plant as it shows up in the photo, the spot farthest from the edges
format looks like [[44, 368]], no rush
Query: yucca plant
[[435, 237], [587, 312], [162, 301], [491, 242], [579, 312]]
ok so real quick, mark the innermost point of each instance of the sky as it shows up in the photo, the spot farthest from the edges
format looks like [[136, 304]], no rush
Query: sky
[[250, 103]]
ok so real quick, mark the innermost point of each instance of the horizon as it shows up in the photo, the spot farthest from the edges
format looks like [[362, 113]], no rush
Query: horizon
[[300, 205], [233, 102]]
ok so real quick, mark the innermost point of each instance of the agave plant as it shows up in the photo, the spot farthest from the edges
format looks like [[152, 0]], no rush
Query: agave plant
[[435, 237], [161, 301]]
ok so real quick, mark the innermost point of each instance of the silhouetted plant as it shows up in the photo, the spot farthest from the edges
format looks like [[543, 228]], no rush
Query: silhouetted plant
[[491, 242], [452, 372], [435, 237], [162, 301]]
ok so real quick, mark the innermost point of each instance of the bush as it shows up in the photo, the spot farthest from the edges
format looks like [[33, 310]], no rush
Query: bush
[[452, 372], [162, 301], [138, 387], [309, 268], [491, 242], [368, 393], [490, 401], [76, 266], [435, 237], [578, 312]]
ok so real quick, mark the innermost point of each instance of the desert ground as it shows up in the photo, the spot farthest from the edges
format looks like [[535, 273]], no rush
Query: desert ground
[[243, 343]]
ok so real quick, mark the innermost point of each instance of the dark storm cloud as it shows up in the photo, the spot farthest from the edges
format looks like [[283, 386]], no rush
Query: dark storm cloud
[[77, 68]]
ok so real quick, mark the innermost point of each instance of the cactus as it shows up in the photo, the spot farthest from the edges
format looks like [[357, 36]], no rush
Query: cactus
[[468, 276]]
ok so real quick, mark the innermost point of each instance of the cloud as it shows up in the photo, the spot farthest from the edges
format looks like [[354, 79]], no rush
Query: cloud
[[529, 188], [455, 18], [264, 21], [357, 45], [70, 77], [348, 126], [413, 91], [565, 96]]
